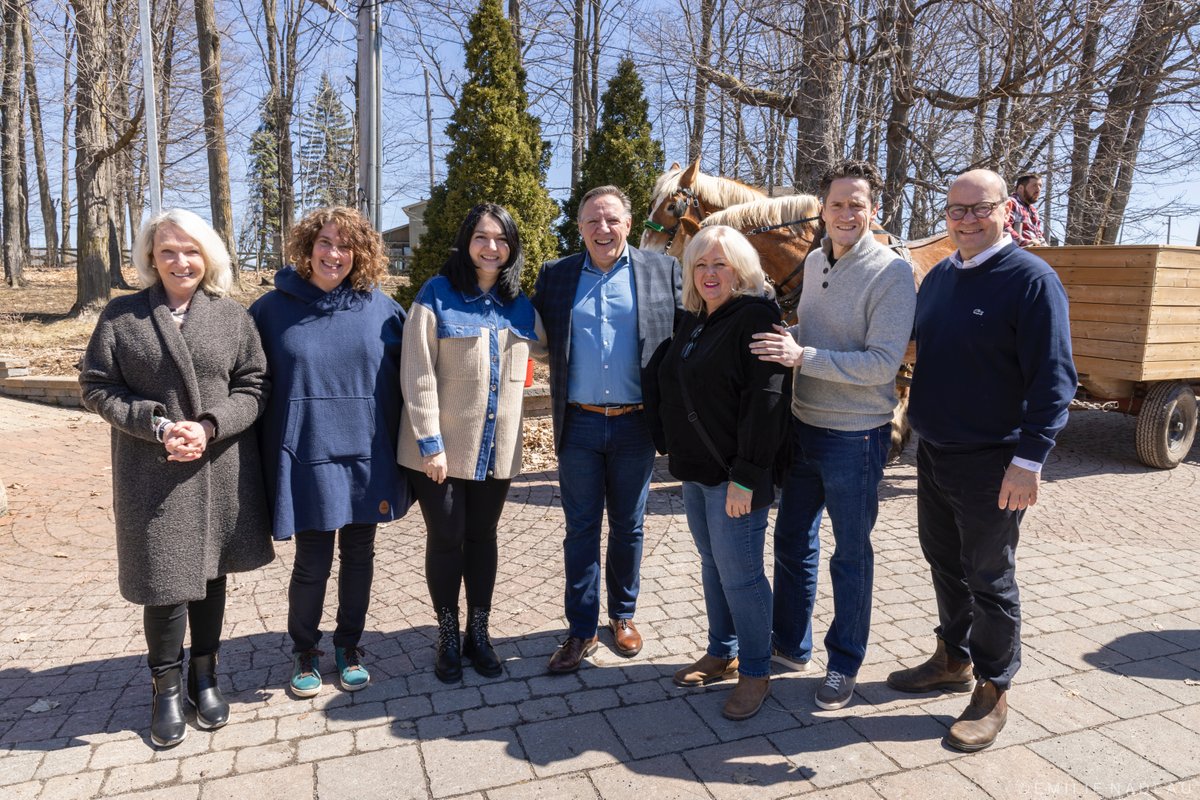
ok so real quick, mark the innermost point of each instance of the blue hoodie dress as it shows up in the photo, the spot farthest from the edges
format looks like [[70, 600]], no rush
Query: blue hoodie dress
[[328, 436]]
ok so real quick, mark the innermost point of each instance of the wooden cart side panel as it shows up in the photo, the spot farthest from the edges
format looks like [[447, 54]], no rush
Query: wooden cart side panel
[[1134, 332], [1135, 315], [1108, 368]]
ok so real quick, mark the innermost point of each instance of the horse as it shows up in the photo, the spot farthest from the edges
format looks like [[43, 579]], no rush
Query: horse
[[684, 197]]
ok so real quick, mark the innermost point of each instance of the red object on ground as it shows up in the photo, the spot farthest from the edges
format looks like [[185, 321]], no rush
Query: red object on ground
[[529, 374]]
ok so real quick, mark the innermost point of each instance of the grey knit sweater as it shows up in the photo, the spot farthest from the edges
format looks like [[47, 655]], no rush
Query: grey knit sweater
[[855, 320]]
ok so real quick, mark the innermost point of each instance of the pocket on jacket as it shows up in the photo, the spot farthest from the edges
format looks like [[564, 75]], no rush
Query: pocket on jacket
[[463, 349], [323, 429], [518, 360]]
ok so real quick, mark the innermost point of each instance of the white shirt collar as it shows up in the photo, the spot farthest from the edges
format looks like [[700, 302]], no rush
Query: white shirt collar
[[979, 258]]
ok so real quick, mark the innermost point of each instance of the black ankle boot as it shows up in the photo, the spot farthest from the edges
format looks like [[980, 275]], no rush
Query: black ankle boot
[[203, 693], [449, 655], [477, 645], [167, 724]]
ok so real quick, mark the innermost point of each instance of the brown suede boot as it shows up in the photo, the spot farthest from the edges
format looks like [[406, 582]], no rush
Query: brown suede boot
[[978, 726], [746, 698], [709, 669], [939, 672]]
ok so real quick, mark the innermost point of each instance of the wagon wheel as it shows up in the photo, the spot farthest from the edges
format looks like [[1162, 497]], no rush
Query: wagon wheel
[[1166, 425]]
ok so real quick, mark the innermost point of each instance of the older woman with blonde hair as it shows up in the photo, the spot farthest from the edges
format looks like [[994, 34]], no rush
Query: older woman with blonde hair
[[332, 340], [178, 371], [722, 414]]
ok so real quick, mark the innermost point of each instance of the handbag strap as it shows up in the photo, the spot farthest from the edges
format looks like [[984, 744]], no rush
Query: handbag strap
[[695, 420]]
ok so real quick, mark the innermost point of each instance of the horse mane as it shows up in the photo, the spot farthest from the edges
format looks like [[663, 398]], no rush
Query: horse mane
[[712, 189], [766, 211]]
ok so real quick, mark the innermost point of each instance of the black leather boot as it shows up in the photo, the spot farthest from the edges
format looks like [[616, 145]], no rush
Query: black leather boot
[[448, 668], [477, 645], [203, 693], [167, 724]]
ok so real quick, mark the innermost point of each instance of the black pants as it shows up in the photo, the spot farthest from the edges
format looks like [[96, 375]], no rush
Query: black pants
[[971, 546], [166, 625], [310, 575], [460, 545]]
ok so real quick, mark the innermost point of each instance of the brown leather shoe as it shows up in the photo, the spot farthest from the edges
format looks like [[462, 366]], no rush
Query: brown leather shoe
[[574, 650], [939, 672], [708, 669], [978, 726], [626, 638], [746, 698]]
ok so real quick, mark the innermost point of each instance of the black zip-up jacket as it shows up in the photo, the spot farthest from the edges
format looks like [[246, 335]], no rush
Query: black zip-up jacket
[[741, 401]]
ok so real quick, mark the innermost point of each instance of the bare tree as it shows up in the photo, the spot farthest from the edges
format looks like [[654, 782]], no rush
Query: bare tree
[[49, 221], [220, 201], [10, 112]]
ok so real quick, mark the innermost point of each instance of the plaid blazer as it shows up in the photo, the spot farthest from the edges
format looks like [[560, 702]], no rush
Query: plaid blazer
[[657, 283]]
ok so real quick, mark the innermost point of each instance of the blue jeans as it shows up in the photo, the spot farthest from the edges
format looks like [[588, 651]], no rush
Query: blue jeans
[[837, 471], [737, 595], [603, 460]]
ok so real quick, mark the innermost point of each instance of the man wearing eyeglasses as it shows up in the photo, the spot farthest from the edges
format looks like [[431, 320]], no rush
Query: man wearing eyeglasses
[[606, 311], [990, 390]]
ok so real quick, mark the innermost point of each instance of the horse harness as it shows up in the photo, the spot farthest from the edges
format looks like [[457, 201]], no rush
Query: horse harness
[[677, 210]]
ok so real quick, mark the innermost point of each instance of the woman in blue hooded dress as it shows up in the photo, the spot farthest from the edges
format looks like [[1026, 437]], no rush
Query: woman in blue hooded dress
[[332, 340]]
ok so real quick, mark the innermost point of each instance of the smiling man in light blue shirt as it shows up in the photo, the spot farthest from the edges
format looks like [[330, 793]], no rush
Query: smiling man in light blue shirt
[[605, 311]]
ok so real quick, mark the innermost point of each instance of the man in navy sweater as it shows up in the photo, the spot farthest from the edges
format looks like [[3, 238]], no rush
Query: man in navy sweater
[[990, 390]]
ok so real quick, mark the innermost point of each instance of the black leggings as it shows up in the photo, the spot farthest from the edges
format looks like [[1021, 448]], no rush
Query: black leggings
[[460, 546], [166, 625], [310, 574]]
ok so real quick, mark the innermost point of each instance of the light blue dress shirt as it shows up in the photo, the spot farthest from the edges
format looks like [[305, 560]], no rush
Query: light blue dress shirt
[[604, 366]]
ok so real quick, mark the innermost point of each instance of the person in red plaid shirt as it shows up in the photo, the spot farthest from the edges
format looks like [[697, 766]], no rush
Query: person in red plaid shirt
[[1024, 225]]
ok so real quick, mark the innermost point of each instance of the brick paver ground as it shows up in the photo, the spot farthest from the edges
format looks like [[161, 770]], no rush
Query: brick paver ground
[[1107, 704]]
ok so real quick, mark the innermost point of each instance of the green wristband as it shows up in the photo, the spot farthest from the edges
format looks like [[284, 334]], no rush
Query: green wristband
[[743, 488]]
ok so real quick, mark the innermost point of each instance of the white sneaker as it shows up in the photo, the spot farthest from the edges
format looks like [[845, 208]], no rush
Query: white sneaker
[[789, 663]]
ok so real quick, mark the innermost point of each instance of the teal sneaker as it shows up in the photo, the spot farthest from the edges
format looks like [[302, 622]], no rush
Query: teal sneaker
[[306, 673], [353, 674]]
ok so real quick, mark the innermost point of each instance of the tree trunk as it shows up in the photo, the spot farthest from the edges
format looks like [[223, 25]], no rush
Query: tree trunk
[[10, 109], [896, 170], [49, 221], [700, 99], [817, 108], [220, 200], [64, 208], [577, 91]]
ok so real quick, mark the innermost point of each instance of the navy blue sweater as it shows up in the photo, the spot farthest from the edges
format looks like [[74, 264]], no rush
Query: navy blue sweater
[[993, 355], [329, 432]]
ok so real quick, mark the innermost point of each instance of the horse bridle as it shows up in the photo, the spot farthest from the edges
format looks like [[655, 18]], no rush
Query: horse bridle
[[677, 210], [790, 299]]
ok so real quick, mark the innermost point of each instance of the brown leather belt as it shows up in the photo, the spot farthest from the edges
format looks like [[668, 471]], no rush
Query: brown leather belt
[[608, 411]]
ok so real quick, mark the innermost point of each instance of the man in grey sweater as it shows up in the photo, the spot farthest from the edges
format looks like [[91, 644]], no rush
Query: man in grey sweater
[[855, 319]]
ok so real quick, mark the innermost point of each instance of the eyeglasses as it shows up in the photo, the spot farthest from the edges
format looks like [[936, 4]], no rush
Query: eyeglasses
[[978, 211], [691, 342]]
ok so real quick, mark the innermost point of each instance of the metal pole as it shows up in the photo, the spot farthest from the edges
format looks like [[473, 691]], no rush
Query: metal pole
[[1048, 190], [1168, 216], [366, 77], [377, 114], [151, 111], [429, 128]]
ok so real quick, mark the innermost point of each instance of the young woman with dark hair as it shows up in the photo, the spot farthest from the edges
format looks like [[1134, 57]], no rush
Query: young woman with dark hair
[[469, 337]]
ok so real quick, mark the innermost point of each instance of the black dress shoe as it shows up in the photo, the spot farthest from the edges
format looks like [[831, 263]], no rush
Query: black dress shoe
[[167, 723], [574, 650]]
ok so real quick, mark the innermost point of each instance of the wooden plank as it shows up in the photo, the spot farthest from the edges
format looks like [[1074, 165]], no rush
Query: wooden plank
[[1186, 370], [1108, 368], [1174, 315], [1096, 256], [1116, 351], [1174, 296], [1172, 351], [1110, 312], [1179, 258], [1119, 295], [1133, 332], [1129, 276]]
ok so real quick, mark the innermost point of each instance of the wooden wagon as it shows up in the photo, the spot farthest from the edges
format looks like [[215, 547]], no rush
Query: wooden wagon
[[1135, 332]]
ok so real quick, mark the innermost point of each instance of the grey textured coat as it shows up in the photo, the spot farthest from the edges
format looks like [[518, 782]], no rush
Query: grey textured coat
[[180, 524]]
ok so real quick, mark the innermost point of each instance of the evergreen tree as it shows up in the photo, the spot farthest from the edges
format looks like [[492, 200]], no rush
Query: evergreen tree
[[261, 235], [326, 151], [622, 153], [497, 155]]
